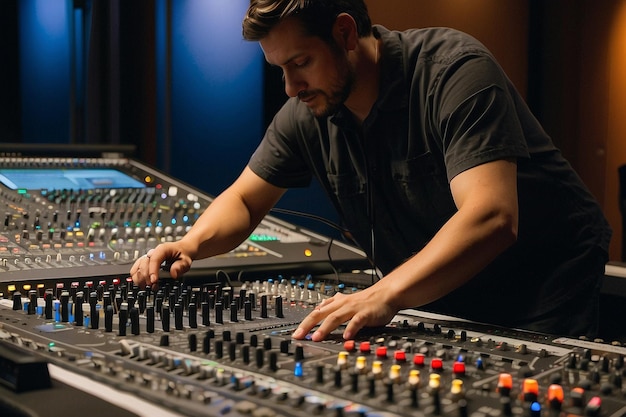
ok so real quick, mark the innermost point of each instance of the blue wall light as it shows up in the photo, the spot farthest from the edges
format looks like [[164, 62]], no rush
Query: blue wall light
[[45, 70], [216, 92]]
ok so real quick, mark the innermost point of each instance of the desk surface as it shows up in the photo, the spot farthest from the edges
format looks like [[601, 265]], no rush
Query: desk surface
[[615, 269]]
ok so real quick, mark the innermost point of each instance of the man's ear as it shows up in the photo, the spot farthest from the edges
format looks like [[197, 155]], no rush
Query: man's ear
[[345, 32]]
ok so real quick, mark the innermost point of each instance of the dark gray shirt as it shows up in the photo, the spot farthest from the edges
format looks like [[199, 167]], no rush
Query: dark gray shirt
[[444, 106]]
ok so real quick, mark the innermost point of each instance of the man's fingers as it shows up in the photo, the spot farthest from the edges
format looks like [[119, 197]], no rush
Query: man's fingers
[[352, 328], [145, 269], [317, 315], [330, 323], [308, 323], [153, 268]]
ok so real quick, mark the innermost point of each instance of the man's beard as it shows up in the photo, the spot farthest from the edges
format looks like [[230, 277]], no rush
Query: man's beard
[[338, 94]]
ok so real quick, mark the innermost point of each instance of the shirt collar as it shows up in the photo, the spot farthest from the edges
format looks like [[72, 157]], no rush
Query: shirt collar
[[393, 89]]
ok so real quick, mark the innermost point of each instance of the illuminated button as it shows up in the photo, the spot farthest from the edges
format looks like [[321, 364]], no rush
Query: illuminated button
[[298, 369], [505, 384], [419, 359], [458, 368], [436, 364], [399, 356], [364, 347], [308, 253], [593, 407], [414, 377], [456, 389], [377, 369], [576, 397], [535, 409], [361, 364], [342, 360], [555, 396], [530, 389], [381, 352], [394, 373], [349, 345], [434, 381]]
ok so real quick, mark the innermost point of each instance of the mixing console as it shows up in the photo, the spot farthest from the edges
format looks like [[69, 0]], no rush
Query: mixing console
[[225, 349], [62, 217], [78, 337]]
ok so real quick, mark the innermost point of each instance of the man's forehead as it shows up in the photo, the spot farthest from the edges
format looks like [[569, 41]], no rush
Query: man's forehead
[[285, 42]]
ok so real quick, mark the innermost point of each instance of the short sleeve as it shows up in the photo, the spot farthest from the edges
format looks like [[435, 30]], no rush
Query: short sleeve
[[278, 158], [476, 115]]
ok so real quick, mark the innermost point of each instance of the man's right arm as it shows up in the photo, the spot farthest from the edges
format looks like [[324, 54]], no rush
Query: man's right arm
[[228, 221]]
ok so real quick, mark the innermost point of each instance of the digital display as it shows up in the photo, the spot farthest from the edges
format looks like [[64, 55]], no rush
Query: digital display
[[66, 179]]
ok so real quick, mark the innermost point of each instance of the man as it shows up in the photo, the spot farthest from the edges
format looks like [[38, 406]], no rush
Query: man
[[433, 161]]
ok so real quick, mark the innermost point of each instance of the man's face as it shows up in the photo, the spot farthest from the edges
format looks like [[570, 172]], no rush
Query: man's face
[[319, 74]]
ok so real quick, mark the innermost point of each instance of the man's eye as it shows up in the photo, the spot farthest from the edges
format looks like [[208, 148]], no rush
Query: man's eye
[[301, 64]]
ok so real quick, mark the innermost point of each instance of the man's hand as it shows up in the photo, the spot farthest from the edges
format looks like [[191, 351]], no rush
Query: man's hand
[[361, 309], [145, 270]]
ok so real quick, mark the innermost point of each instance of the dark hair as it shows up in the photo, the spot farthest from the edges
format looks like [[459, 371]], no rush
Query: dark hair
[[317, 16]]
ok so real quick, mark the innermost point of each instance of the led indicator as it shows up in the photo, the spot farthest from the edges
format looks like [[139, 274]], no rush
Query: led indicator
[[297, 372]]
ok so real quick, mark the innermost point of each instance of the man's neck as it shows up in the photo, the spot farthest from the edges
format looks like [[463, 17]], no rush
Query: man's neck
[[367, 66]]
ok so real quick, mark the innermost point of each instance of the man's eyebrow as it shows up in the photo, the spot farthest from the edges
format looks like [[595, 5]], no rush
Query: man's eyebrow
[[289, 60]]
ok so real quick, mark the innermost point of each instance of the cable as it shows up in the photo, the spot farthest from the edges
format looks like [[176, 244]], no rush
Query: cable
[[344, 232]]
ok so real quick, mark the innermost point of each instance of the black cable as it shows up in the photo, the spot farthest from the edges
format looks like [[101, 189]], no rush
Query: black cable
[[344, 232], [323, 220]]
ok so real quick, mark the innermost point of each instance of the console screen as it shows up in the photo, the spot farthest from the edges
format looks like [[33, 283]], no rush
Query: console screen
[[68, 179]]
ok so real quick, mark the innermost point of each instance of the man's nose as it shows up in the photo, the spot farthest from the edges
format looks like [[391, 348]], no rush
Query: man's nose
[[293, 85]]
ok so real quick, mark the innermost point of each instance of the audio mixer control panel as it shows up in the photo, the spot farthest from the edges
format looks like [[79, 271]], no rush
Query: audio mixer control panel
[[77, 336], [225, 349], [61, 215]]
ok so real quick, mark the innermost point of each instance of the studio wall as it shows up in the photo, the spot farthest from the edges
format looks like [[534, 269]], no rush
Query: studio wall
[[501, 25], [216, 93], [45, 77]]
